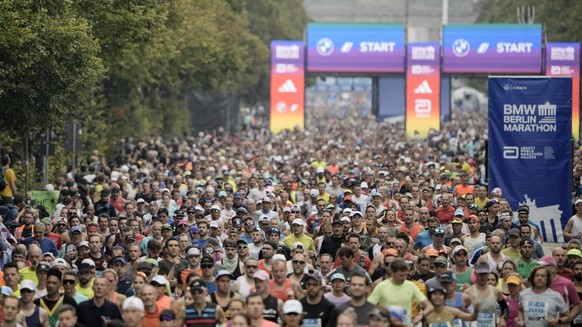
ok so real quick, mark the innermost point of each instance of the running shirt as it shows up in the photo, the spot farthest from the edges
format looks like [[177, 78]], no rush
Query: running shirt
[[207, 318]]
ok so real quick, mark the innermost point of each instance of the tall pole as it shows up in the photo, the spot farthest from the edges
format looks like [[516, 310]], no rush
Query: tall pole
[[26, 165], [445, 14], [46, 160]]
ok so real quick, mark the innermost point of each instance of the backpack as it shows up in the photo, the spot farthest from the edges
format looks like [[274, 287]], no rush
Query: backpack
[[2, 180]]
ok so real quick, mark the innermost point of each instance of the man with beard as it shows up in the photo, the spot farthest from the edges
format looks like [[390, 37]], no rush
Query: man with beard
[[495, 258], [358, 286], [96, 253], [330, 244], [152, 310], [10, 311], [35, 315], [314, 303], [27, 228], [85, 277], [171, 260], [230, 261], [53, 300], [98, 311], [120, 266], [267, 252], [69, 284]]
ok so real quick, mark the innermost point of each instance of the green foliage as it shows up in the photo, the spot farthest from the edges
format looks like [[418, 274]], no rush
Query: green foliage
[[48, 64], [560, 18]]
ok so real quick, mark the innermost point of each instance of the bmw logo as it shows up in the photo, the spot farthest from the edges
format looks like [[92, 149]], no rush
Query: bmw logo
[[461, 47], [324, 47]]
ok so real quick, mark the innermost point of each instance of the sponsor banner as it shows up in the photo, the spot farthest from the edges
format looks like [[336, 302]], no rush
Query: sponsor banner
[[530, 147], [287, 85], [355, 48], [502, 48], [423, 88], [47, 199], [563, 59]]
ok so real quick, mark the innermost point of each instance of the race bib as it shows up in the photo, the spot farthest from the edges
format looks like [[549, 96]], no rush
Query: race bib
[[535, 311], [310, 322], [486, 319]]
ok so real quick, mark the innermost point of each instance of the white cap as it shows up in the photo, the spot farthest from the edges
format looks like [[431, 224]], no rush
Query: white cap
[[344, 218], [160, 280], [296, 245], [320, 170], [194, 251], [60, 262], [292, 306], [347, 211], [89, 262], [213, 224], [264, 218], [84, 243], [140, 200], [298, 221], [313, 192], [27, 284], [356, 213], [215, 207], [114, 176], [133, 302], [578, 201], [364, 185], [279, 256]]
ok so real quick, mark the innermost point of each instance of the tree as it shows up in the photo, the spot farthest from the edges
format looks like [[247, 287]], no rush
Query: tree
[[48, 64], [560, 18]]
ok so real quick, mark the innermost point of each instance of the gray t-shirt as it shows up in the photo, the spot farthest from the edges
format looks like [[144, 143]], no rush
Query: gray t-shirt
[[538, 308]]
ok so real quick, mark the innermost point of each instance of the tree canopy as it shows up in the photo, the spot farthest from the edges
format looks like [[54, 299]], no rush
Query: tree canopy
[[123, 67]]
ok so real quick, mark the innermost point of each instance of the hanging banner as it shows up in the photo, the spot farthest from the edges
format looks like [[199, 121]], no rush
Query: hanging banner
[[563, 59], [287, 85], [355, 48], [492, 48], [423, 88], [530, 147], [47, 199]]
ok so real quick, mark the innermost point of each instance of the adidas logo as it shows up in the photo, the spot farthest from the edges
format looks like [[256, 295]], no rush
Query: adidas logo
[[288, 87], [423, 88]]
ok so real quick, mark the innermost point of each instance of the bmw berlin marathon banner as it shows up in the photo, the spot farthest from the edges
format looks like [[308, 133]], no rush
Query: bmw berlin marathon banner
[[530, 147]]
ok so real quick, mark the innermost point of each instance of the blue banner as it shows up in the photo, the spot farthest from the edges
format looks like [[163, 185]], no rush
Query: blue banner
[[530, 147]]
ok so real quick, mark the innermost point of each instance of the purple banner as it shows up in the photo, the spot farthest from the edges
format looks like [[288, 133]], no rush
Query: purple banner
[[503, 48], [355, 48]]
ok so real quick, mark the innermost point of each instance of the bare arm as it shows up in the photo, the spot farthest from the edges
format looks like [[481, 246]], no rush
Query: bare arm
[[44, 318], [179, 308], [220, 316], [568, 229]]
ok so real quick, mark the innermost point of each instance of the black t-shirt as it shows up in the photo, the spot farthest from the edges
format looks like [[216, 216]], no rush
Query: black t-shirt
[[317, 314], [361, 312], [424, 277], [91, 316]]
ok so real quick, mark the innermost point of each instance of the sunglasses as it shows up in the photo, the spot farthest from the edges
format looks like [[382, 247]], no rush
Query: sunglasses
[[297, 262], [252, 266], [182, 225], [26, 291], [250, 224], [207, 266], [69, 281], [197, 291], [240, 247], [166, 318]]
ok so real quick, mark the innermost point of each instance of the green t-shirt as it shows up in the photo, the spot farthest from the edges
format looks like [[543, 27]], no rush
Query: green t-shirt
[[402, 295], [524, 268]]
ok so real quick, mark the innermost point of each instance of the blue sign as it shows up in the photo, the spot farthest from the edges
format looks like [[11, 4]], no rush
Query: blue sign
[[530, 147], [355, 48], [491, 48]]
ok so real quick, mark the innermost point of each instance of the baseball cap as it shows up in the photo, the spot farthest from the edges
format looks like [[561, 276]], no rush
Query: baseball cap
[[159, 280], [140, 200], [183, 222], [456, 221], [432, 252], [547, 260], [356, 213], [436, 287], [575, 252], [221, 194], [261, 275], [5, 290], [197, 284], [439, 231], [215, 207], [213, 224], [43, 266], [459, 248], [133, 302], [298, 221], [513, 232], [229, 244], [84, 243], [342, 219], [264, 218], [525, 209], [144, 265], [292, 306], [448, 277], [440, 260], [193, 251], [166, 226], [456, 240], [459, 212], [224, 273], [379, 313], [119, 259], [390, 252], [27, 284], [167, 315], [274, 230], [297, 245], [336, 221], [482, 268], [77, 229], [207, 261], [578, 201], [60, 262], [85, 267], [337, 276], [314, 276], [514, 279], [89, 262]]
